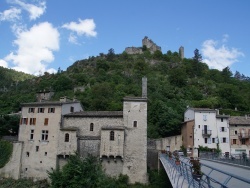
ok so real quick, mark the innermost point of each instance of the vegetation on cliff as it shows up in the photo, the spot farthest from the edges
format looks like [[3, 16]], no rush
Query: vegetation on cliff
[[173, 84]]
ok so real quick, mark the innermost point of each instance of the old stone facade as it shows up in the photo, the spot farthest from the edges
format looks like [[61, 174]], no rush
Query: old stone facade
[[50, 132], [151, 46]]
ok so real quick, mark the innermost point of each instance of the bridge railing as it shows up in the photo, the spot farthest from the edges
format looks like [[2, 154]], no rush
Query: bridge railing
[[211, 177], [239, 159]]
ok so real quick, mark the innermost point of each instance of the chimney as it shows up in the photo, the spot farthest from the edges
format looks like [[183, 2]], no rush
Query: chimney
[[144, 87]]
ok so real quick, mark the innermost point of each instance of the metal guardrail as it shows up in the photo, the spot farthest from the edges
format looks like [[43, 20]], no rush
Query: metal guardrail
[[239, 159], [211, 177]]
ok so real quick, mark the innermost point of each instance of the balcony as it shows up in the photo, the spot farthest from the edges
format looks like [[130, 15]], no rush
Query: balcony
[[206, 132], [244, 135]]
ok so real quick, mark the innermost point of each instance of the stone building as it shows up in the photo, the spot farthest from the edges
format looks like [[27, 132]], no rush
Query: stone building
[[151, 46], [50, 132], [240, 134], [181, 52]]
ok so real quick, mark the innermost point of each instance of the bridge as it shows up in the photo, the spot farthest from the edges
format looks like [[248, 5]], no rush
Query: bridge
[[214, 174]]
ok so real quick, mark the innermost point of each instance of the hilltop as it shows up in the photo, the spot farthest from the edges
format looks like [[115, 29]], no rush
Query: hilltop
[[174, 83]]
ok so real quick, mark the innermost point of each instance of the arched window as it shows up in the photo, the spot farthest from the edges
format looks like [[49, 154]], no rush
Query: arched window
[[91, 127], [112, 135], [66, 138]]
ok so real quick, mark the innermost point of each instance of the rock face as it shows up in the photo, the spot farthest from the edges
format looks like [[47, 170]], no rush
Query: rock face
[[151, 46]]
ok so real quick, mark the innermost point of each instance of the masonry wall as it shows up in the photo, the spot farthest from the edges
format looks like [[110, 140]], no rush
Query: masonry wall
[[12, 168]]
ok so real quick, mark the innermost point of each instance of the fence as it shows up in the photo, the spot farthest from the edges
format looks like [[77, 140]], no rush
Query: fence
[[182, 175], [239, 159]]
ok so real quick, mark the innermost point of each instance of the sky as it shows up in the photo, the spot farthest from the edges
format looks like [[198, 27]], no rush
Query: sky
[[38, 36]]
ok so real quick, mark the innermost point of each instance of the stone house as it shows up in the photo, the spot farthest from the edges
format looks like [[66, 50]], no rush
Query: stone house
[[208, 129], [50, 132], [240, 134]]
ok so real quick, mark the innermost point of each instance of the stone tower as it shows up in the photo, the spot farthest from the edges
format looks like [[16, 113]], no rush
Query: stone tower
[[181, 52], [135, 123]]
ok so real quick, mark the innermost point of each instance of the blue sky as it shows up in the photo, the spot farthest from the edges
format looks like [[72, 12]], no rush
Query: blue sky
[[38, 36]]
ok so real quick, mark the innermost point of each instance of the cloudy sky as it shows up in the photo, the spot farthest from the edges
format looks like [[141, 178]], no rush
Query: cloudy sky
[[43, 35]]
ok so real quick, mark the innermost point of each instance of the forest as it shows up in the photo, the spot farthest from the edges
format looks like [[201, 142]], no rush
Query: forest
[[173, 85]]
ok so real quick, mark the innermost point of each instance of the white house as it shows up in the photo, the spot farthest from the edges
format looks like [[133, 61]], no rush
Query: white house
[[210, 129]]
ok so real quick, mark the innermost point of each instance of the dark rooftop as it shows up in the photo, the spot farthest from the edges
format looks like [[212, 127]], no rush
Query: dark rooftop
[[239, 120], [96, 114]]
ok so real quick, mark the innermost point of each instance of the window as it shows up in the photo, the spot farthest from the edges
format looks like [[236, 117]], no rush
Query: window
[[45, 134], [243, 141], [199, 126], [24, 121], [112, 135], [32, 121], [71, 109], [46, 121], [51, 110], [27, 154], [205, 140], [91, 128], [234, 141], [40, 110], [135, 123], [31, 110], [37, 148], [31, 134], [235, 132], [223, 129], [66, 137], [205, 117], [224, 140], [221, 119], [213, 140], [236, 125], [45, 154]]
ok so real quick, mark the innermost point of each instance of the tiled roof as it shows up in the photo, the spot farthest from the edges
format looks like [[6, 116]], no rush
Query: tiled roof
[[202, 109], [47, 103], [96, 114], [239, 120], [113, 127]]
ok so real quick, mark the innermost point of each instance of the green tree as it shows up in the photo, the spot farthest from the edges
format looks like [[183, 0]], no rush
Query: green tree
[[111, 54]]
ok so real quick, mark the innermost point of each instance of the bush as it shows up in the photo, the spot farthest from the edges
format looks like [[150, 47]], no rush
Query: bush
[[6, 149]]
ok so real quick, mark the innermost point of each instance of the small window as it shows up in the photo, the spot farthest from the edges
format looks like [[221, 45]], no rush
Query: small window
[[71, 109], [37, 148], [234, 141], [31, 110], [236, 125], [51, 110], [27, 154], [41, 162], [46, 121], [45, 154], [224, 140], [91, 127], [221, 119], [112, 135], [190, 137], [235, 132], [243, 141], [213, 140], [66, 138], [40, 110], [26, 169], [32, 121], [199, 126], [205, 140], [31, 134], [205, 117], [24, 121], [223, 129], [45, 134], [135, 123]]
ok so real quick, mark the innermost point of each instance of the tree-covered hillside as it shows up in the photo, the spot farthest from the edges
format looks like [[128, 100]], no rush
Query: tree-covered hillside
[[173, 84]]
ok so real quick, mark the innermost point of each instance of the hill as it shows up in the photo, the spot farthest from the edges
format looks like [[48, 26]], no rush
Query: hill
[[173, 84]]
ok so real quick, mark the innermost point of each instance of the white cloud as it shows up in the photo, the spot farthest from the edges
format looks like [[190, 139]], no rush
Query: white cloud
[[35, 48], [219, 56], [34, 11], [3, 63], [73, 39], [11, 14], [84, 27]]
